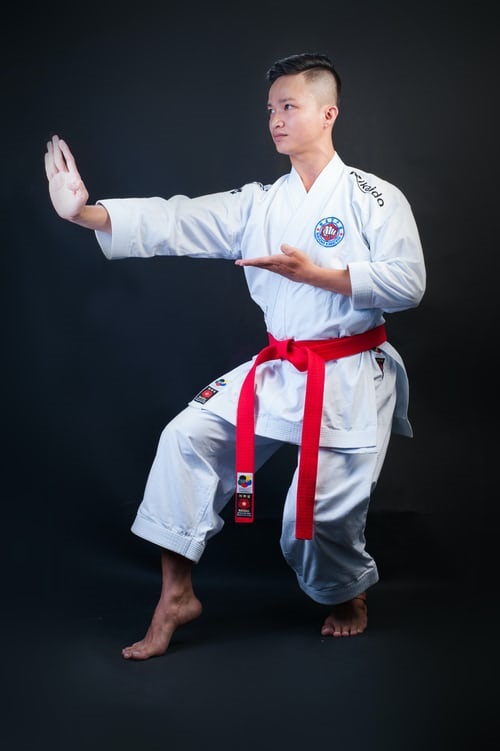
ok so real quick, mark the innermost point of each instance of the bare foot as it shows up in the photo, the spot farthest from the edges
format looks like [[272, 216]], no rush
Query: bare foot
[[168, 616], [347, 619], [177, 605]]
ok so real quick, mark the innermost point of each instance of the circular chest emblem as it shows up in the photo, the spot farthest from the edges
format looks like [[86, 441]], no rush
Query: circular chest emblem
[[329, 231]]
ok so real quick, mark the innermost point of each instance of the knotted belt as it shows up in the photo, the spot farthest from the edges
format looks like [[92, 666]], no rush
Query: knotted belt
[[305, 355]]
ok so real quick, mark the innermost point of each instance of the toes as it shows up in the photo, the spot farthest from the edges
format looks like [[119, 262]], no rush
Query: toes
[[134, 652], [330, 629]]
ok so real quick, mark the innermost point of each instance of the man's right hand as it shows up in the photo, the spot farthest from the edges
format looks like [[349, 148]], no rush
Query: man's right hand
[[67, 190]]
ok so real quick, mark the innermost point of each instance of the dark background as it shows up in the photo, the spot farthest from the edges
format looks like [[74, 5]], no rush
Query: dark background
[[166, 98]]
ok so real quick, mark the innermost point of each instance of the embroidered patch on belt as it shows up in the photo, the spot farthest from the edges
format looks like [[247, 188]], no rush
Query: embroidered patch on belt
[[244, 506], [244, 497], [207, 393], [244, 482]]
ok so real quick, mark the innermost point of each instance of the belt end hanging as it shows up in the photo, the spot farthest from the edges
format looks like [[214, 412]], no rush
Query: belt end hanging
[[244, 498]]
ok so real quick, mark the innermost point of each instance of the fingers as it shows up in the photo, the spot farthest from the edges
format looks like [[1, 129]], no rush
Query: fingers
[[58, 158], [54, 162], [261, 261], [69, 158], [50, 169], [57, 155], [288, 250]]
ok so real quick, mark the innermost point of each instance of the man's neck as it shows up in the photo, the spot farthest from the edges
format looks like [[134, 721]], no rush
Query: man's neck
[[309, 169]]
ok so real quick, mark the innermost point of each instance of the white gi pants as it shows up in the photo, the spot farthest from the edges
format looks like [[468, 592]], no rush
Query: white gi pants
[[193, 475]]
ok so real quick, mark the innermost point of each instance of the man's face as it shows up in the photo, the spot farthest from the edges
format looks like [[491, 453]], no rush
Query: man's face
[[296, 118]]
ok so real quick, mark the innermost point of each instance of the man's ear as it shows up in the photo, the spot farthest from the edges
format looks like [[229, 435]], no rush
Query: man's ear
[[331, 114]]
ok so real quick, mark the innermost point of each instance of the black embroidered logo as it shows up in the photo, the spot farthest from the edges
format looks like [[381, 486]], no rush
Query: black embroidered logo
[[366, 188]]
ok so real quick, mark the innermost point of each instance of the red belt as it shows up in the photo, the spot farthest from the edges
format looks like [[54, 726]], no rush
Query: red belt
[[305, 355]]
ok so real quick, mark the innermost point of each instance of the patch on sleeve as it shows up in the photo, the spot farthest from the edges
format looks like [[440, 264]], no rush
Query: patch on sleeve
[[209, 391], [205, 394]]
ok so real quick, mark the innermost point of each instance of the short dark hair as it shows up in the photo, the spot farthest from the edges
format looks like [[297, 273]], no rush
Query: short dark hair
[[301, 63]]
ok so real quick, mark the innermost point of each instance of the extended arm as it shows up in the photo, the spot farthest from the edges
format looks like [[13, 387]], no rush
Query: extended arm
[[296, 265], [67, 190]]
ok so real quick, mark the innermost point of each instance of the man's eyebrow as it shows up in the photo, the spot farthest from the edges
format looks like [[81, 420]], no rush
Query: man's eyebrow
[[284, 99]]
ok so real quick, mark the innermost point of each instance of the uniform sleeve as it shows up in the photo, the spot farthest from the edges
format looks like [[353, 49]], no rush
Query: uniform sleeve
[[203, 227], [394, 278]]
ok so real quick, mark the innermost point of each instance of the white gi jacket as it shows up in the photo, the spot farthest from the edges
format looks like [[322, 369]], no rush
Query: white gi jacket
[[347, 219]]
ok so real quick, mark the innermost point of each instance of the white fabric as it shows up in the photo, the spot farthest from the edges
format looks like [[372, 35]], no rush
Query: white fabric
[[192, 479], [380, 245], [348, 219]]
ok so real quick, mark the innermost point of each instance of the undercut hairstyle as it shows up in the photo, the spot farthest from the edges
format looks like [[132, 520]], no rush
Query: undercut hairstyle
[[310, 63]]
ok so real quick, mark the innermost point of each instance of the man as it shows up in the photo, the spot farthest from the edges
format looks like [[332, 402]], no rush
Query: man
[[325, 250]]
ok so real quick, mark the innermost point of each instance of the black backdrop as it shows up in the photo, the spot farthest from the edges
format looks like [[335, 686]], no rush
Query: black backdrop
[[170, 98]]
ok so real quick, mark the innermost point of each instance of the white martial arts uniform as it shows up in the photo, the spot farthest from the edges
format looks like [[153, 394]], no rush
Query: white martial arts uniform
[[347, 219]]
